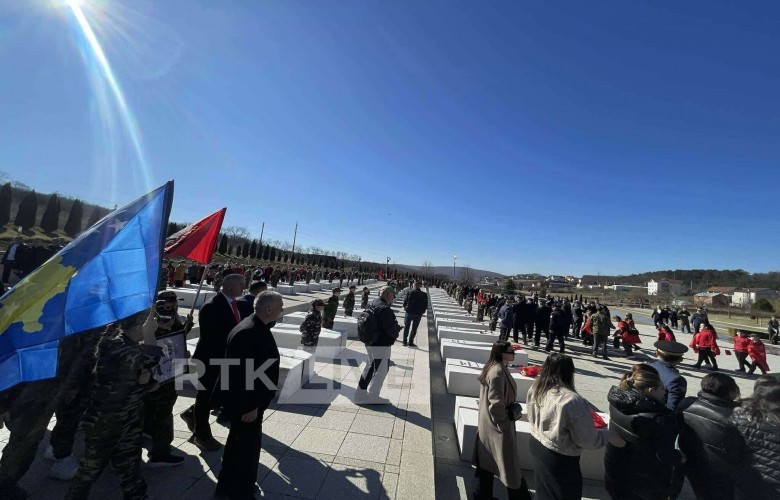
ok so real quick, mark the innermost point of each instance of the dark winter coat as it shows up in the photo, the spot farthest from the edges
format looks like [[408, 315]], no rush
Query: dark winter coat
[[416, 302], [760, 455], [643, 468], [558, 323], [386, 323], [709, 441]]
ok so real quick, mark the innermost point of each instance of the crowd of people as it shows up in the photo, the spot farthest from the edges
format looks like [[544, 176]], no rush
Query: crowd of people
[[23, 257], [726, 445], [558, 319]]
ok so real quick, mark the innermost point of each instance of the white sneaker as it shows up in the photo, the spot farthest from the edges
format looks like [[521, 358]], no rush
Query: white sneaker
[[64, 468], [49, 455]]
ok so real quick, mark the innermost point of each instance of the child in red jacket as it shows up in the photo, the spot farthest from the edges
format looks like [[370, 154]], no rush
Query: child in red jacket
[[665, 333], [741, 343], [757, 353], [705, 343]]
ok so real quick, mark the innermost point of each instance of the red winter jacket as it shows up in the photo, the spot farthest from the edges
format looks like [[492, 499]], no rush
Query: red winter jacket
[[757, 353], [628, 337], [706, 340], [664, 335], [741, 344]]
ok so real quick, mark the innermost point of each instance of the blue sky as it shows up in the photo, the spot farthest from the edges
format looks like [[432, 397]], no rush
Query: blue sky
[[555, 137]]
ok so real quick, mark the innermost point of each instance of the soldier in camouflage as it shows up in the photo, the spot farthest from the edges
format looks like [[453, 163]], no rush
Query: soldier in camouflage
[[364, 298], [468, 304], [113, 421], [312, 325], [349, 301], [275, 278], [158, 404], [331, 308], [28, 407]]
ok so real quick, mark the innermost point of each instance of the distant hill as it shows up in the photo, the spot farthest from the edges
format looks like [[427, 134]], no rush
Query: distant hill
[[447, 271], [700, 278]]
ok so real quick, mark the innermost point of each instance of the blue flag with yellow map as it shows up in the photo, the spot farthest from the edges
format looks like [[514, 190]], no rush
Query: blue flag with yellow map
[[108, 273]]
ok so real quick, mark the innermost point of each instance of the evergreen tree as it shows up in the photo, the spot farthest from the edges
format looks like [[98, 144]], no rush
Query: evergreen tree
[[266, 252], [509, 287], [245, 250], [223, 245], [27, 212], [272, 254], [94, 217], [73, 224], [253, 249], [50, 219], [5, 204], [230, 250], [238, 250]]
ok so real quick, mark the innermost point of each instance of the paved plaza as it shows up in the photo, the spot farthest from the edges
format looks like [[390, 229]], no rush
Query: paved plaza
[[321, 445]]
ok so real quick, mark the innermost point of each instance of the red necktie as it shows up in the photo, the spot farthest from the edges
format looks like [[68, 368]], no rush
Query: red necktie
[[235, 311]]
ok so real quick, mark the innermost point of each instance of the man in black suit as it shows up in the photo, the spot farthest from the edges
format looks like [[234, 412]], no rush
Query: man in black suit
[[216, 318], [247, 398], [246, 304]]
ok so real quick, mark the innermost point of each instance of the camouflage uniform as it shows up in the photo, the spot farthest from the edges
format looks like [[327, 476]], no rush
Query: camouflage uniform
[[331, 307], [114, 419], [480, 312], [275, 278], [310, 328], [349, 304], [469, 302], [493, 319], [364, 299], [32, 404]]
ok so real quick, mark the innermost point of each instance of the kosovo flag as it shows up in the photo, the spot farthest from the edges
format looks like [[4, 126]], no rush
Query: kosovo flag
[[106, 274]]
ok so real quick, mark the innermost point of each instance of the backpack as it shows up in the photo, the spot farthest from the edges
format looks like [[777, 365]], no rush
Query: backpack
[[367, 327]]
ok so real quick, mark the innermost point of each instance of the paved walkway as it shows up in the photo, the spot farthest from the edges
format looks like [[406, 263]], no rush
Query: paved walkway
[[325, 447]]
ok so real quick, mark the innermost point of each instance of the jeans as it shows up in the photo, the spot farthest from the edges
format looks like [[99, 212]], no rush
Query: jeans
[[600, 340], [376, 369], [412, 320]]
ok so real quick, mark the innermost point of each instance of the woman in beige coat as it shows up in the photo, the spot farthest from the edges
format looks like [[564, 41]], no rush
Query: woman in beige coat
[[495, 453]]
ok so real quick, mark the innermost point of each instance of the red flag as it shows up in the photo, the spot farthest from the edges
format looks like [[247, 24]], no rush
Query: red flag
[[197, 241]]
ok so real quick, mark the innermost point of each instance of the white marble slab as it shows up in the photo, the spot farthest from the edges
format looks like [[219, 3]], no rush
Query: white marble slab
[[285, 289], [340, 323], [186, 297], [467, 334], [291, 373], [458, 323], [329, 346], [315, 287], [474, 351], [461, 377], [306, 357]]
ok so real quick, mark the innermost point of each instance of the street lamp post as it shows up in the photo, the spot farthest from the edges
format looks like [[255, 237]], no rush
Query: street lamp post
[[454, 260], [387, 269]]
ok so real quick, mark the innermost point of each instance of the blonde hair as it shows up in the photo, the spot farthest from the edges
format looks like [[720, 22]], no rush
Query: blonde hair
[[641, 378]]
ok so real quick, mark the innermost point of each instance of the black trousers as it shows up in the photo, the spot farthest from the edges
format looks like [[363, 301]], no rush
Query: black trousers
[[528, 332], [158, 418], [559, 336], [200, 410], [242, 454], [503, 333], [577, 327], [413, 321], [515, 332], [541, 328], [483, 487], [557, 477], [742, 360], [705, 354]]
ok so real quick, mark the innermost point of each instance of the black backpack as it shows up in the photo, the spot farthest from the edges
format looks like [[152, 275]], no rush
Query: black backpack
[[367, 327]]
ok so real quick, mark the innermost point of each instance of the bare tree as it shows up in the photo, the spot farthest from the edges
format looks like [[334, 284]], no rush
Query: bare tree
[[427, 269], [4, 177], [236, 234], [466, 276]]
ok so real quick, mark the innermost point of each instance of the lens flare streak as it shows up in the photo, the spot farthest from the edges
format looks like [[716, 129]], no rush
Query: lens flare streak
[[96, 50]]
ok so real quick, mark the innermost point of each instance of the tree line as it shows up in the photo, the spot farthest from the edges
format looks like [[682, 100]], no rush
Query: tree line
[[700, 278]]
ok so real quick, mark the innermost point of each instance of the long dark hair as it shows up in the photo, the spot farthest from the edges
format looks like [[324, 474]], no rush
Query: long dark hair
[[557, 371], [496, 358], [764, 405]]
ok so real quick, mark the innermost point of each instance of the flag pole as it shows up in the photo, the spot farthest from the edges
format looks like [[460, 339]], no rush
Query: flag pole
[[200, 287]]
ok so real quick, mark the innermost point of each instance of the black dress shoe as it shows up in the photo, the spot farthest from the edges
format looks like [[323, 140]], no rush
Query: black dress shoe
[[205, 443], [189, 419]]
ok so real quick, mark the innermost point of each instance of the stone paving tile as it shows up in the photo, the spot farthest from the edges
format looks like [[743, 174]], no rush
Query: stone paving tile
[[280, 433], [344, 481], [325, 441], [296, 477], [364, 447], [333, 419], [394, 452], [389, 485], [374, 425]]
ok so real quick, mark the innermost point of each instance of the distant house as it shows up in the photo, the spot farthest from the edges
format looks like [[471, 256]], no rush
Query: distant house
[[558, 285], [711, 299], [747, 296], [725, 290], [624, 288], [664, 287]]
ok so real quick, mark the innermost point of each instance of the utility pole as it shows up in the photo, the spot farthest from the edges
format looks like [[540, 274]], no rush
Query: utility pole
[[387, 269], [454, 260], [295, 237], [262, 228]]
